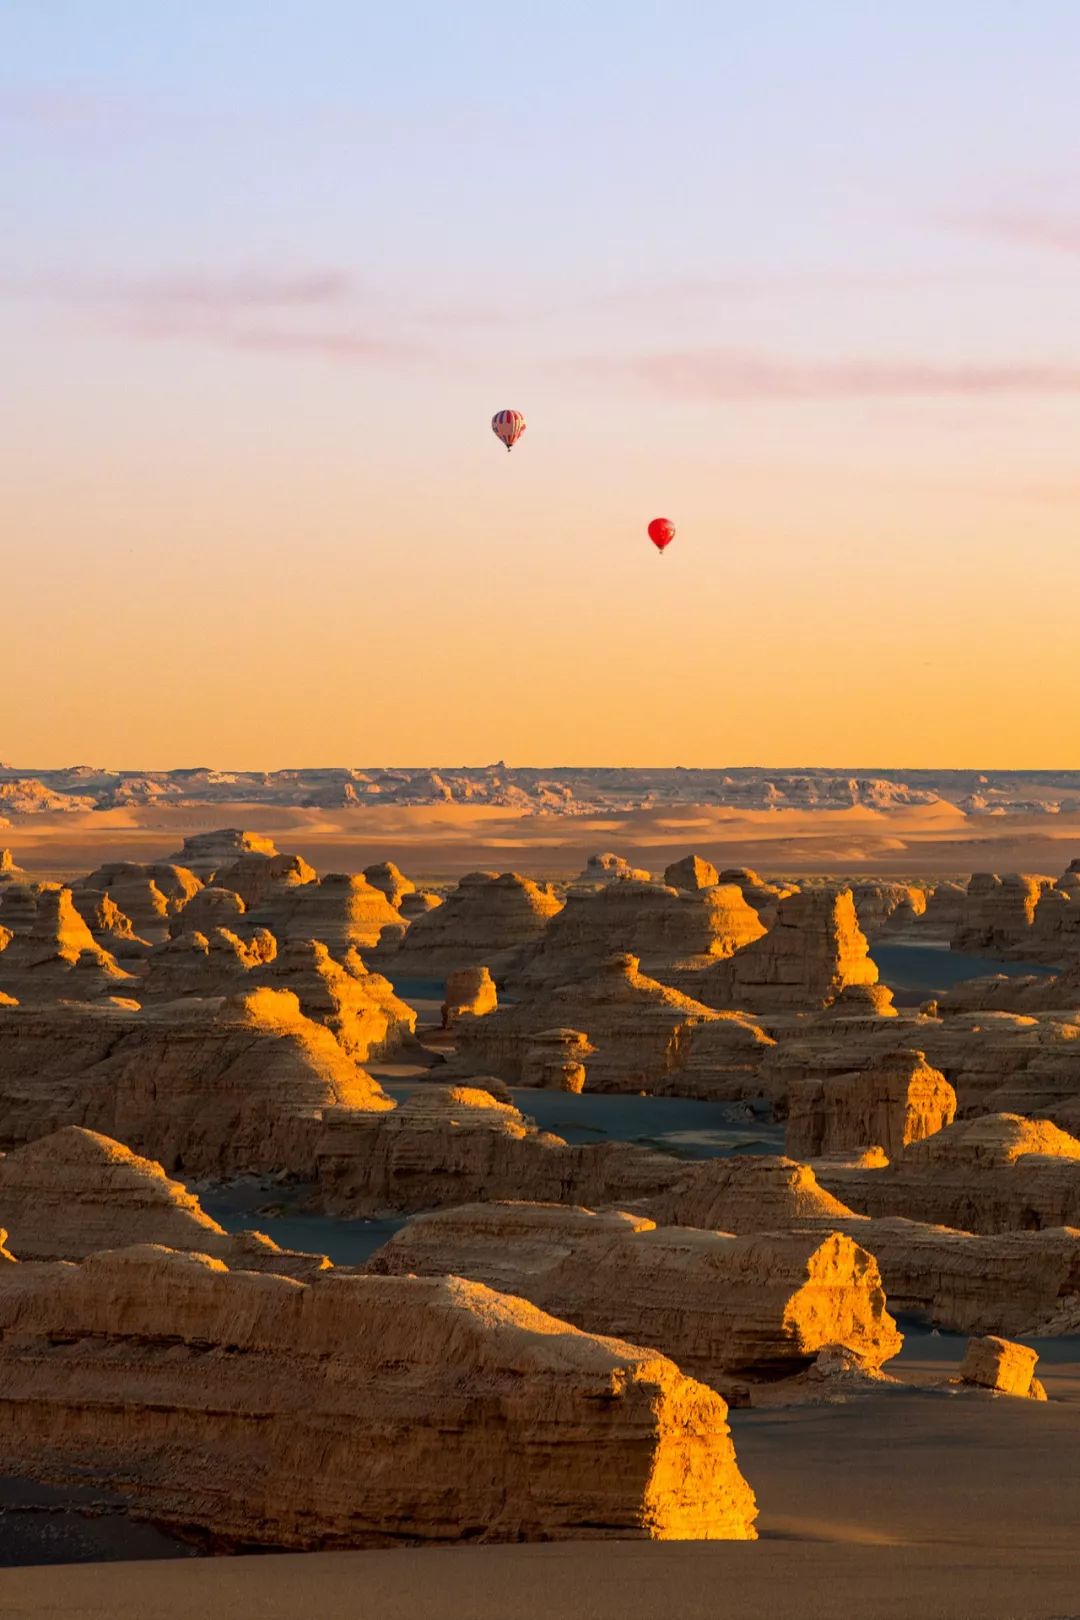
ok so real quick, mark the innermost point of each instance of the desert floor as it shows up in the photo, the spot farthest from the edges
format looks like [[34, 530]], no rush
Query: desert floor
[[433, 842], [908, 1505]]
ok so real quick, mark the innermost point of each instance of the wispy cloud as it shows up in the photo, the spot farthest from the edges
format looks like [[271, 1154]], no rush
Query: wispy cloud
[[1029, 228], [322, 312], [65, 110], [738, 375]]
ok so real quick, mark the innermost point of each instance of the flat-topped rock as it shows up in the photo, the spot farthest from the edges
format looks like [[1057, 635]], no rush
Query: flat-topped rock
[[488, 918], [813, 951], [897, 1100], [647, 1036], [999, 1365], [342, 910], [724, 1307], [610, 868], [469, 993], [501, 1417], [224, 1086], [204, 853]]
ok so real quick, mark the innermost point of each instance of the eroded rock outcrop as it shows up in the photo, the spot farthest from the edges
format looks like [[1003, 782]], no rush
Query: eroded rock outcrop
[[469, 993], [490, 917], [206, 853], [999, 1365], [647, 1036], [556, 1059], [75, 1193], [391, 881], [692, 872], [998, 911], [609, 868], [273, 1401], [47, 952], [724, 1307], [342, 910], [996, 1173], [457, 1145], [218, 1087], [964, 1282], [9, 872], [897, 1100], [667, 929], [813, 951], [149, 894], [259, 879], [886, 907]]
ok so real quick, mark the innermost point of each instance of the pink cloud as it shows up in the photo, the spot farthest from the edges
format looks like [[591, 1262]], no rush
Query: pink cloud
[[732, 374], [1027, 228], [64, 110]]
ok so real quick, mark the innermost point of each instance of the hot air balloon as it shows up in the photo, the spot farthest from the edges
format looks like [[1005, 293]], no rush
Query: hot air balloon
[[661, 532], [508, 426]]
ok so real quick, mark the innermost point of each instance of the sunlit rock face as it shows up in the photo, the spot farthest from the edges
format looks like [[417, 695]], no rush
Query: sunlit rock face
[[205, 853], [724, 1307], [964, 1282], [885, 907], [224, 1086], [469, 993], [813, 951], [998, 912], [646, 1036], [995, 1173], [457, 1144], [1003, 1367], [489, 918], [497, 1414], [897, 1100], [48, 953], [671, 931]]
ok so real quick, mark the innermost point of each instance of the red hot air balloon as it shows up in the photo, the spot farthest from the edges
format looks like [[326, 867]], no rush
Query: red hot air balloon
[[661, 533], [508, 426]]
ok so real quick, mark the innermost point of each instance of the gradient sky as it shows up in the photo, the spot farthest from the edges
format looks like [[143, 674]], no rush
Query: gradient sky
[[803, 278]]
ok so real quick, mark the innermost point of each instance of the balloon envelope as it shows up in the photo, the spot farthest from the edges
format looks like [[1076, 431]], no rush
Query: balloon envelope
[[661, 532], [508, 426]]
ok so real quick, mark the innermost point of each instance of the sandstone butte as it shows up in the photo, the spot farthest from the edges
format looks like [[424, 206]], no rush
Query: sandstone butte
[[897, 1100], [220, 1087], [351, 1410], [358, 1007], [725, 1308], [886, 907], [75, 1193], [148, 894], [813, 951], [996, 1173], [765, 896], [488, 918], [343, 910], [9, 872], [469, 993], [457, 1145], [1020, 914], [609, 868], [46, 950], [964, 1282], [258, 879], [647, 1036], [669, 930], [996, 1062], [205, 853], [391, 880]]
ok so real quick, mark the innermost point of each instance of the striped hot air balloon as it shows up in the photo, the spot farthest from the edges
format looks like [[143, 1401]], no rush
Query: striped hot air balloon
[[508, 426]]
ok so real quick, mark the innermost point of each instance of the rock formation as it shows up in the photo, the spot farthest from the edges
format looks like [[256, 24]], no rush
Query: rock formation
[[148, 894], [350, 1411], [759, 892], [469, 993], [206, 853], [667, 929], [996, 1173], [608, 868], [391, 881], [48, 952], [488, 918], [725, 1308], [216, 1088], [692, 872], [556, 1060], [258, 879], [9, 872], [1012, 1282], [813, 951], [897, 1100], [1004, 1367], [211, 908], [341, 910], [998, 911], [647, 1036], [456, 1145], [885, 907], [75, 1193]]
